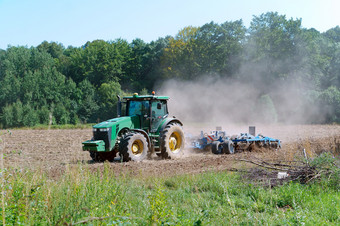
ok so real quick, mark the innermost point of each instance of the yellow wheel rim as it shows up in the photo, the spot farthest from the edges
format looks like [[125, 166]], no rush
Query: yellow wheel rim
[[137, 147], [175, 142]]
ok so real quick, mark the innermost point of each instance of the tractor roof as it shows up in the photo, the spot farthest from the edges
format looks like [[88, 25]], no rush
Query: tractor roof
[[145, 97]]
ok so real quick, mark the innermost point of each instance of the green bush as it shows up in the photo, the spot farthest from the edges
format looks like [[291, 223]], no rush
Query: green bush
[[7, 118], [44, 115], [30, 116]]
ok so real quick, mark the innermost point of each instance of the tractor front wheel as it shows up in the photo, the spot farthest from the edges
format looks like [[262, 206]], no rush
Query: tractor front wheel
[[133, 146], [172, 141]]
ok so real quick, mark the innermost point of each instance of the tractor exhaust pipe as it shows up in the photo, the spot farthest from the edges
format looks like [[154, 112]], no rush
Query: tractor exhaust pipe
[[119, 106]]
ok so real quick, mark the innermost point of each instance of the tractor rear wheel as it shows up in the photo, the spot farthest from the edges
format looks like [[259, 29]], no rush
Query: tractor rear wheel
[[228, 147], [172, 141], [133, 146], [103, 156]]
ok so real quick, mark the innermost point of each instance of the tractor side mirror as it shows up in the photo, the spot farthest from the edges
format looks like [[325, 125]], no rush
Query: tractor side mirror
[[159, 106]]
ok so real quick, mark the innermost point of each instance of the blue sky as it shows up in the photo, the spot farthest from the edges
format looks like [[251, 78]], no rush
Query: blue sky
[[74, 22]]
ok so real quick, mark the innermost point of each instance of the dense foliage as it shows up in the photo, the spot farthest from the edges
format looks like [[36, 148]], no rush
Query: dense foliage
[[51, 84]]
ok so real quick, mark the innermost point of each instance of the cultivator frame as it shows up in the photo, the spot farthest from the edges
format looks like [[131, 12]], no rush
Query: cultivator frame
[[219, 143], [260, 140]]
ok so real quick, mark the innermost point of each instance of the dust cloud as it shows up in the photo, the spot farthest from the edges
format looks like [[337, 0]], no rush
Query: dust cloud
[[216, 101], [209, 100]]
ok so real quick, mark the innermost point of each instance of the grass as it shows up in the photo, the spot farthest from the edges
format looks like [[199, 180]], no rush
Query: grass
[[100, 197]]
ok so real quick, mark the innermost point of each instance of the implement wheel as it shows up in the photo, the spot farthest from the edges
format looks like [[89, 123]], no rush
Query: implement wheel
[[228, 147], [274, 145], [216, 147], [172, 141], [133, 146]]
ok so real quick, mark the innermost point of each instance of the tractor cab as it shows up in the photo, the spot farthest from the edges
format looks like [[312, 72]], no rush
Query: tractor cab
[[150, 109]]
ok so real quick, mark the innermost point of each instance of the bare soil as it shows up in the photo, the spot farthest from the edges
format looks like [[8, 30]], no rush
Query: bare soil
[[53, 151]]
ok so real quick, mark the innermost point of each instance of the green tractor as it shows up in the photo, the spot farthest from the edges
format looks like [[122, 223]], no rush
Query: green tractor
[[144, 129]]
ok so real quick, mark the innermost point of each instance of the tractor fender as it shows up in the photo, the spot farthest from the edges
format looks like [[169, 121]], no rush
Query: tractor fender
[[145, 135], [168, 121]]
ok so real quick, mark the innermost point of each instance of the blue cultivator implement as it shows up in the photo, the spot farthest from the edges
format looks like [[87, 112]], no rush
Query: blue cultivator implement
[[219, 143]]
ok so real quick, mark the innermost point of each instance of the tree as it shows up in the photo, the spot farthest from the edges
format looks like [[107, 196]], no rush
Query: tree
[[18, 114], [30, 116], [138, 66], [107, 94], [7, 119], [178, 60], [265, 109], [10, 89], [54, 49], [87, 102], [155, 70], [31, 85], [219, 47], [61, 114], [271, 51], [16, 61], [333, 34], [334, 69], [99, 62], [330, 101]]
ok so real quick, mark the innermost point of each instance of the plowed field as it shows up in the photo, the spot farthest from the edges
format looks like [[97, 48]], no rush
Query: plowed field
[[55, 151]]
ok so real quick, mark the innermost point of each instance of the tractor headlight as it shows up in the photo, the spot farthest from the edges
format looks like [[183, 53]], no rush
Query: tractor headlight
[[94, 129], [103, 129]]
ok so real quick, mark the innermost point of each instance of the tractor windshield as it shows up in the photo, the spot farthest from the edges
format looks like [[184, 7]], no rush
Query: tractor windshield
[[138, 108]]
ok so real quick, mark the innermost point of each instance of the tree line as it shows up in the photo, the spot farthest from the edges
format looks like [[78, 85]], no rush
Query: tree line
[[53, 84]]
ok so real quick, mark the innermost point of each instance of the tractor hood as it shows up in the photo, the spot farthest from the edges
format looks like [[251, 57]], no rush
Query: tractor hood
[[127, 122]]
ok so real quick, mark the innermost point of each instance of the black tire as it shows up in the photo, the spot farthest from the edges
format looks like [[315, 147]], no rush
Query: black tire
[[228, 147], [133, 147], [216, 147], [274, 145], [172, 141], [103, 156], [258, 144]]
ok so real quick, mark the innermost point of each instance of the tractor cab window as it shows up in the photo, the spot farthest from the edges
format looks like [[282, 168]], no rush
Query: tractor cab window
[[138, 108], [159, 110]]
